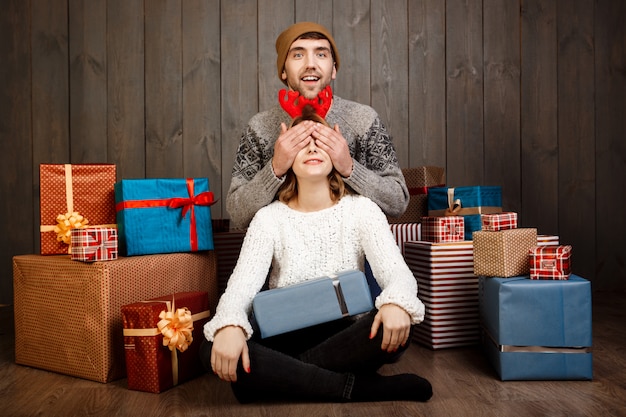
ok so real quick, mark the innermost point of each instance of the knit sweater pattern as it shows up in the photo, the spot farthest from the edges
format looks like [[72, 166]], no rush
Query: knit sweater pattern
[[301, 246], [376, 173]]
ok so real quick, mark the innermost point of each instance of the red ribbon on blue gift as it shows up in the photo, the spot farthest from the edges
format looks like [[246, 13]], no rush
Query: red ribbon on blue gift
[[187, 204]]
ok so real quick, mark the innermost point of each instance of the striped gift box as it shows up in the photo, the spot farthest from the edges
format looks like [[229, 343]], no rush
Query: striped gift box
[[499, 221], [227, 247], [94, 244], [443, 229], [405, 232], [449, 290], [550, 262]]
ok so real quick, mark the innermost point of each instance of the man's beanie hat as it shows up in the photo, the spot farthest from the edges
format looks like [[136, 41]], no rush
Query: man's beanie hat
[[293, 32]]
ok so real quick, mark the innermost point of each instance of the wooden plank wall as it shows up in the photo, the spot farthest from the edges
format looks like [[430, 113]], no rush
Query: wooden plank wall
[[526, 94]]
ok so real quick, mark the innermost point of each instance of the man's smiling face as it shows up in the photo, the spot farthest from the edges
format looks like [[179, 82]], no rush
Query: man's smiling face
[[309, 66]]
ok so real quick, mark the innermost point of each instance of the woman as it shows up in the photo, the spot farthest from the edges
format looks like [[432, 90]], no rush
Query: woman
[[316, 227]]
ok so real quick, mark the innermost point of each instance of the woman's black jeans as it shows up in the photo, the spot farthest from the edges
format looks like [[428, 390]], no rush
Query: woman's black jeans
[[316, 363]]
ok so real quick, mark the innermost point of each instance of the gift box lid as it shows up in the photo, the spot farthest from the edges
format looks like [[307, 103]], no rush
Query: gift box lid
[[519, 311], [470, 196]]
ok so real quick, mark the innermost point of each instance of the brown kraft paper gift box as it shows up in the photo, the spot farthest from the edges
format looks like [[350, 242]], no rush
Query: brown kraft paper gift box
[[155, 363], [67, 313], [417, 181]]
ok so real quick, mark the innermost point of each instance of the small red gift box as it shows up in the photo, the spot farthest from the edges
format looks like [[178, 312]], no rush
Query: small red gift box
[[72, 196], [162, 339], [499, 221], [94, 244], [550, 262], [443, 229]]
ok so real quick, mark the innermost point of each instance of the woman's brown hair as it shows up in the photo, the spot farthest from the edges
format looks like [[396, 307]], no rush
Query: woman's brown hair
[[289, 188]]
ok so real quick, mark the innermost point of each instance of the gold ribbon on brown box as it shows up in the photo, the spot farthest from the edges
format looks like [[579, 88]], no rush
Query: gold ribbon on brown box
[[71, 219], [455, 208], [176, 326]]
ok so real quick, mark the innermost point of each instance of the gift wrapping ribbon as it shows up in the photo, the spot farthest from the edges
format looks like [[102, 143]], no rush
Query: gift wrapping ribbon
[[455, 208], [71, 219], [537, 349], [187, 204], [422, 190], [176, 326], [95, 244]]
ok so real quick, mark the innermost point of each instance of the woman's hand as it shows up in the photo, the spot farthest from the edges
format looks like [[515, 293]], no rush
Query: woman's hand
[[289, 143], [396, 327], [229, 345]]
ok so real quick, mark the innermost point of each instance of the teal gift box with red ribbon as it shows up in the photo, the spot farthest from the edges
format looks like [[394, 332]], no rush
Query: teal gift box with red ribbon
[[163, 215]]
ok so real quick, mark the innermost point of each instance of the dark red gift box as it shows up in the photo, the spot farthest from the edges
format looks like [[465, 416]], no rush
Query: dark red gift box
[[151, 366]]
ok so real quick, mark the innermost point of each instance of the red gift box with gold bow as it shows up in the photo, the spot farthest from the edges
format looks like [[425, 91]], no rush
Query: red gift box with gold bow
[[74, 196], [162, 339]]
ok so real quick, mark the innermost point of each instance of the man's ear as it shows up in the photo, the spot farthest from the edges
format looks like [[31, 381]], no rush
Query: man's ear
[[283, 75], [334, 73]]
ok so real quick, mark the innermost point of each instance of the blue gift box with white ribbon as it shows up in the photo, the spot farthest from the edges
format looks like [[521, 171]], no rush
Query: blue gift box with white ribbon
[[317, 301], [537, 329]]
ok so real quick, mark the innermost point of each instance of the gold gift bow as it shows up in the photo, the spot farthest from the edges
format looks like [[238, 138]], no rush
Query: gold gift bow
[[72, 219], [455, 208], [168, 328]]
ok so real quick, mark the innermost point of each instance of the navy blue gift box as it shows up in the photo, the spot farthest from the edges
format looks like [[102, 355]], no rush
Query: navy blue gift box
[[537, 329]]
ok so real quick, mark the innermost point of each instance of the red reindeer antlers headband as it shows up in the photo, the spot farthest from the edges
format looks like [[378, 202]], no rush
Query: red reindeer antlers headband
[[293, 103]]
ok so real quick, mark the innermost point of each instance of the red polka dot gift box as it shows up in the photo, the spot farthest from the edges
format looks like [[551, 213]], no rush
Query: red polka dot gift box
[[73, 196], [162, 339]]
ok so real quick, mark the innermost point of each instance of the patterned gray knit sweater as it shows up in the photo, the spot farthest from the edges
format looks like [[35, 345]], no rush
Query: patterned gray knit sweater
[[300, 246], [376, 172]]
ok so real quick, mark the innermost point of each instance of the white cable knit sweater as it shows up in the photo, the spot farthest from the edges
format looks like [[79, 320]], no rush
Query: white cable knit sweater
[[302, 246]]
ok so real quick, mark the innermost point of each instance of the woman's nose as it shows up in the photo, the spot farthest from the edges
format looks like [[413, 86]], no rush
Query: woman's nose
[[312, 147]]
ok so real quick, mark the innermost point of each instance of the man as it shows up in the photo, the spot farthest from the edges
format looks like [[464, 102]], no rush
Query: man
[[359, 145]]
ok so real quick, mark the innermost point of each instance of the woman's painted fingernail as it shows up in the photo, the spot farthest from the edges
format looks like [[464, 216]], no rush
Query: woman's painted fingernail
[[248, 370]]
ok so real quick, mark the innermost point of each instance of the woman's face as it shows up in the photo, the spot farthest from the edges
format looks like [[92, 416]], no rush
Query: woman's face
[[312, 162]]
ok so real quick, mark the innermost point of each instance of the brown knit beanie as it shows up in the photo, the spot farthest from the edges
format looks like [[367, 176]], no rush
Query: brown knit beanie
[[293, 32]]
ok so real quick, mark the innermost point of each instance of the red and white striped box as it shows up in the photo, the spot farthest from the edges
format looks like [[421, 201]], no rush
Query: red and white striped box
[[94, 244], [449, 289], [406, 232], [550, 262], [499, 221], [443, 229]]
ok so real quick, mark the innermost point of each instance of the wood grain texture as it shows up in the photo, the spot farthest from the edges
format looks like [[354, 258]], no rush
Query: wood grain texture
[[88, 81], [163, 100], [16, 146], [165, 88], [501, 32], [464, 93], [351, 29], [539, 105], [389, 69], [276, 17], [202, 146], [576, 124], [125, 88], [239, 82], [464, 384], [427, 83], [610, 131]]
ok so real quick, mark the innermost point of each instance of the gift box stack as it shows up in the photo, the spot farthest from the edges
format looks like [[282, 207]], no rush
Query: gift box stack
[[469, 202], [535, 315], [114, 244], [418, 181]]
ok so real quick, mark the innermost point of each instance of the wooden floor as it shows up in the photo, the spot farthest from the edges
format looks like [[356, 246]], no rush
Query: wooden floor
[[464, 385]]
